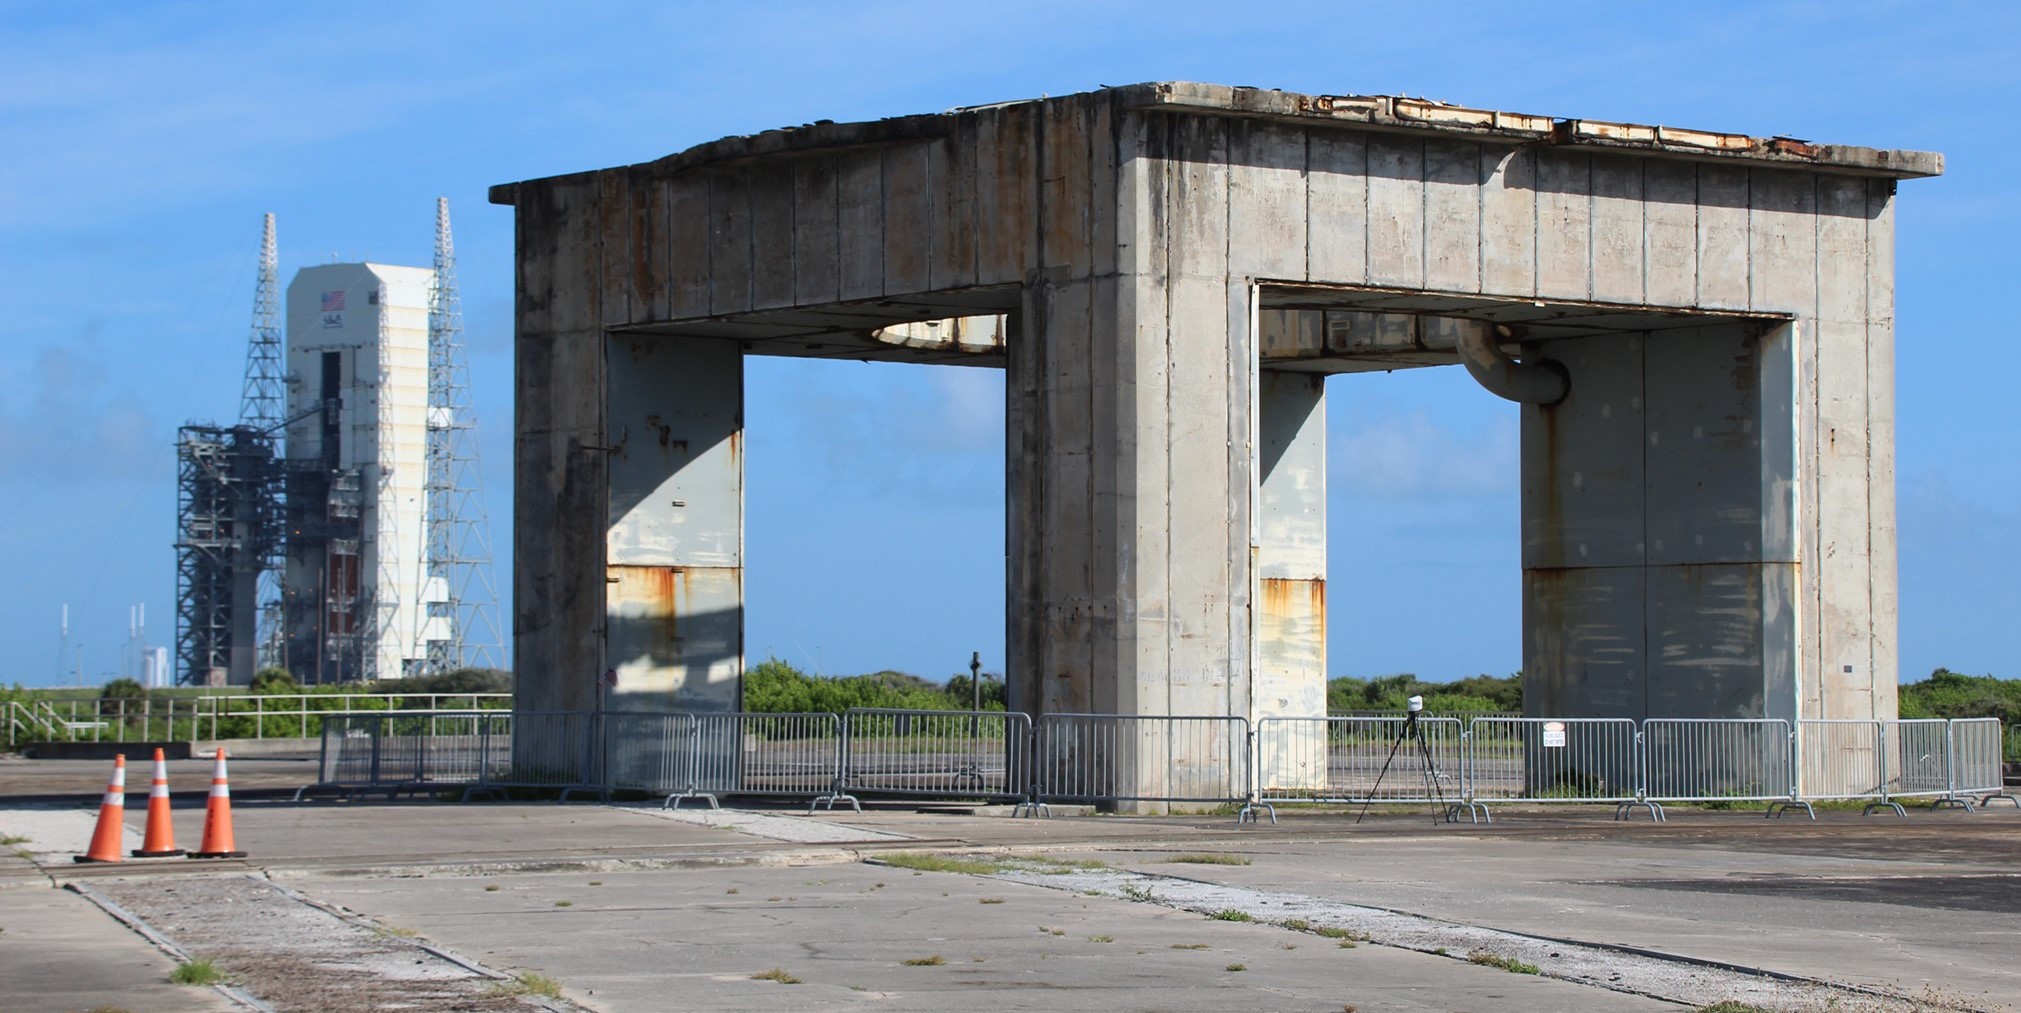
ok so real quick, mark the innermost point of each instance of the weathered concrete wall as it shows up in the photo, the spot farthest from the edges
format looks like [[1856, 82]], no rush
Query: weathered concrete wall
[[675, 545], [1134, 236]]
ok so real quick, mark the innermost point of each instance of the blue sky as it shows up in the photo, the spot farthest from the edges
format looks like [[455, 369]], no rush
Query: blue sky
[[139, 144]]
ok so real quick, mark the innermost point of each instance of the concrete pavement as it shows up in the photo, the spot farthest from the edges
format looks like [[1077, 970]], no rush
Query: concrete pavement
[[683, 908]]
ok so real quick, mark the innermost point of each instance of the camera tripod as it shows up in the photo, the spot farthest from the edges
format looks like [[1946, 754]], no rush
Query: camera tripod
[[1414, 731]]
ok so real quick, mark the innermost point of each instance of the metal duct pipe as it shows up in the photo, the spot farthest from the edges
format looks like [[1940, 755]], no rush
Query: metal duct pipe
[[1537, 383]]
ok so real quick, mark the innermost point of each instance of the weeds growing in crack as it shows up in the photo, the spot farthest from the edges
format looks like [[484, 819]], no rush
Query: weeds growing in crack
[[197, 972], [1509, 964]]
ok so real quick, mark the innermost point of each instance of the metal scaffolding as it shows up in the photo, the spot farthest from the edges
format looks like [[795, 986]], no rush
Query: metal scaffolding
[[228, 525], [229, 513], [460, 625]]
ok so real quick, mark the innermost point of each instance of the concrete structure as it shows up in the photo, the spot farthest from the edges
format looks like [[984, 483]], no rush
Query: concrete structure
[[1704, 323], [354, 593]]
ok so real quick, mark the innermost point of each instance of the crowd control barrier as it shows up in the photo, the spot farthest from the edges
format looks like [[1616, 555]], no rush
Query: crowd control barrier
[[1361, 760], [942, 754], [1091, 758], [1720, 760], [830, 759], [1557, 760]]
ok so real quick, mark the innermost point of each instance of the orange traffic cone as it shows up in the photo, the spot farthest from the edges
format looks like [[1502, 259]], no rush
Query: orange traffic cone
[[108, 837], [160, 842], [217, 841]]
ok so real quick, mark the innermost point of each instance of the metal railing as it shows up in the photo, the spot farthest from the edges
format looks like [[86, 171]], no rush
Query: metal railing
[[741, 753], [404, 752], [1350, 760], [216, 716], [944, 754], [1111, 758], [1141, 758], [1556, 760]]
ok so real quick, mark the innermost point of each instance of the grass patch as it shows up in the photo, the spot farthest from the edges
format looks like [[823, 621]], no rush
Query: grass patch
[[536, 983], [975, 865], [1229, 914], [943, 863], [1296, 924], [1509, 964], [934, 961], [197, 972], [491, 888], [1140, 894], [564, 903], [778, 974], [1101, 939], [990, 900], [1207, 858], [1189, 946], [10, 840], [1238, 967], [1733, 1006], [397, 931]]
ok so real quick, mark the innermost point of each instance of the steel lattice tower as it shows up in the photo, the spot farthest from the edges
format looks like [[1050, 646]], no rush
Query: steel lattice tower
[[262, 404], [228, 514], [461, 625]]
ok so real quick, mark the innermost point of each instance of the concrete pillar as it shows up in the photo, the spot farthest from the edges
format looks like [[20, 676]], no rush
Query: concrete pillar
[[1130, 485], [1660, 528], [674, 603], [1290, 633]]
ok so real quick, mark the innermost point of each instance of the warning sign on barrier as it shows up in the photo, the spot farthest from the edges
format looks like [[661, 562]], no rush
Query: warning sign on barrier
[[1554, 735]]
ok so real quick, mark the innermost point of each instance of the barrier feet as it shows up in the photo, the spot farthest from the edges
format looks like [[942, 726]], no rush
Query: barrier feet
[[1987, 800], [1952, 802], [830, 800], [1476, 812], [674, 801], [1247, 814], [1776, 809], [1885, 803], [1626, 811], [1032, 807]]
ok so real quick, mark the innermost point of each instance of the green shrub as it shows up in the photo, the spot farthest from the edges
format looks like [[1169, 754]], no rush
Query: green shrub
[[775, 687]]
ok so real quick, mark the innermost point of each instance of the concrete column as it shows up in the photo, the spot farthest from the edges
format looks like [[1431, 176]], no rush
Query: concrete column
[[1129, 484], [674, 602], [1290, 633], [1660, 529]]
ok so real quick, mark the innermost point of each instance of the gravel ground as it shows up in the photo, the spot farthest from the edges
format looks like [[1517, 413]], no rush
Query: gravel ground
[[1673, 979], [298, 957]]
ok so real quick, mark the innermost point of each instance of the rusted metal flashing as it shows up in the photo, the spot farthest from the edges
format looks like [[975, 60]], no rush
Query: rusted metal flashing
[[1374, 112], [1403, 113]]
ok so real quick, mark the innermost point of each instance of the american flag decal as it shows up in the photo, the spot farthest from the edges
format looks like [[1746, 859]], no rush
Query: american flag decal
[[333, 302]]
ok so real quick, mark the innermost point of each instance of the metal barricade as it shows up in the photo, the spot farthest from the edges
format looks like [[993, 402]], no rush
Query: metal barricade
[[1094, 758], [1721, 760], [1918, 756], [648, 751], [1977, 763], [1557, 760], [1840, 758], [545, 750], [403, 752], [945, 754], [466, 748], [1359, 760], [771, 754]]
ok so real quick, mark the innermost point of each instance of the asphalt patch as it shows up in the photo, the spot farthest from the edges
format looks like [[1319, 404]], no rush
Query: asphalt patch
[[1996, 893]]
